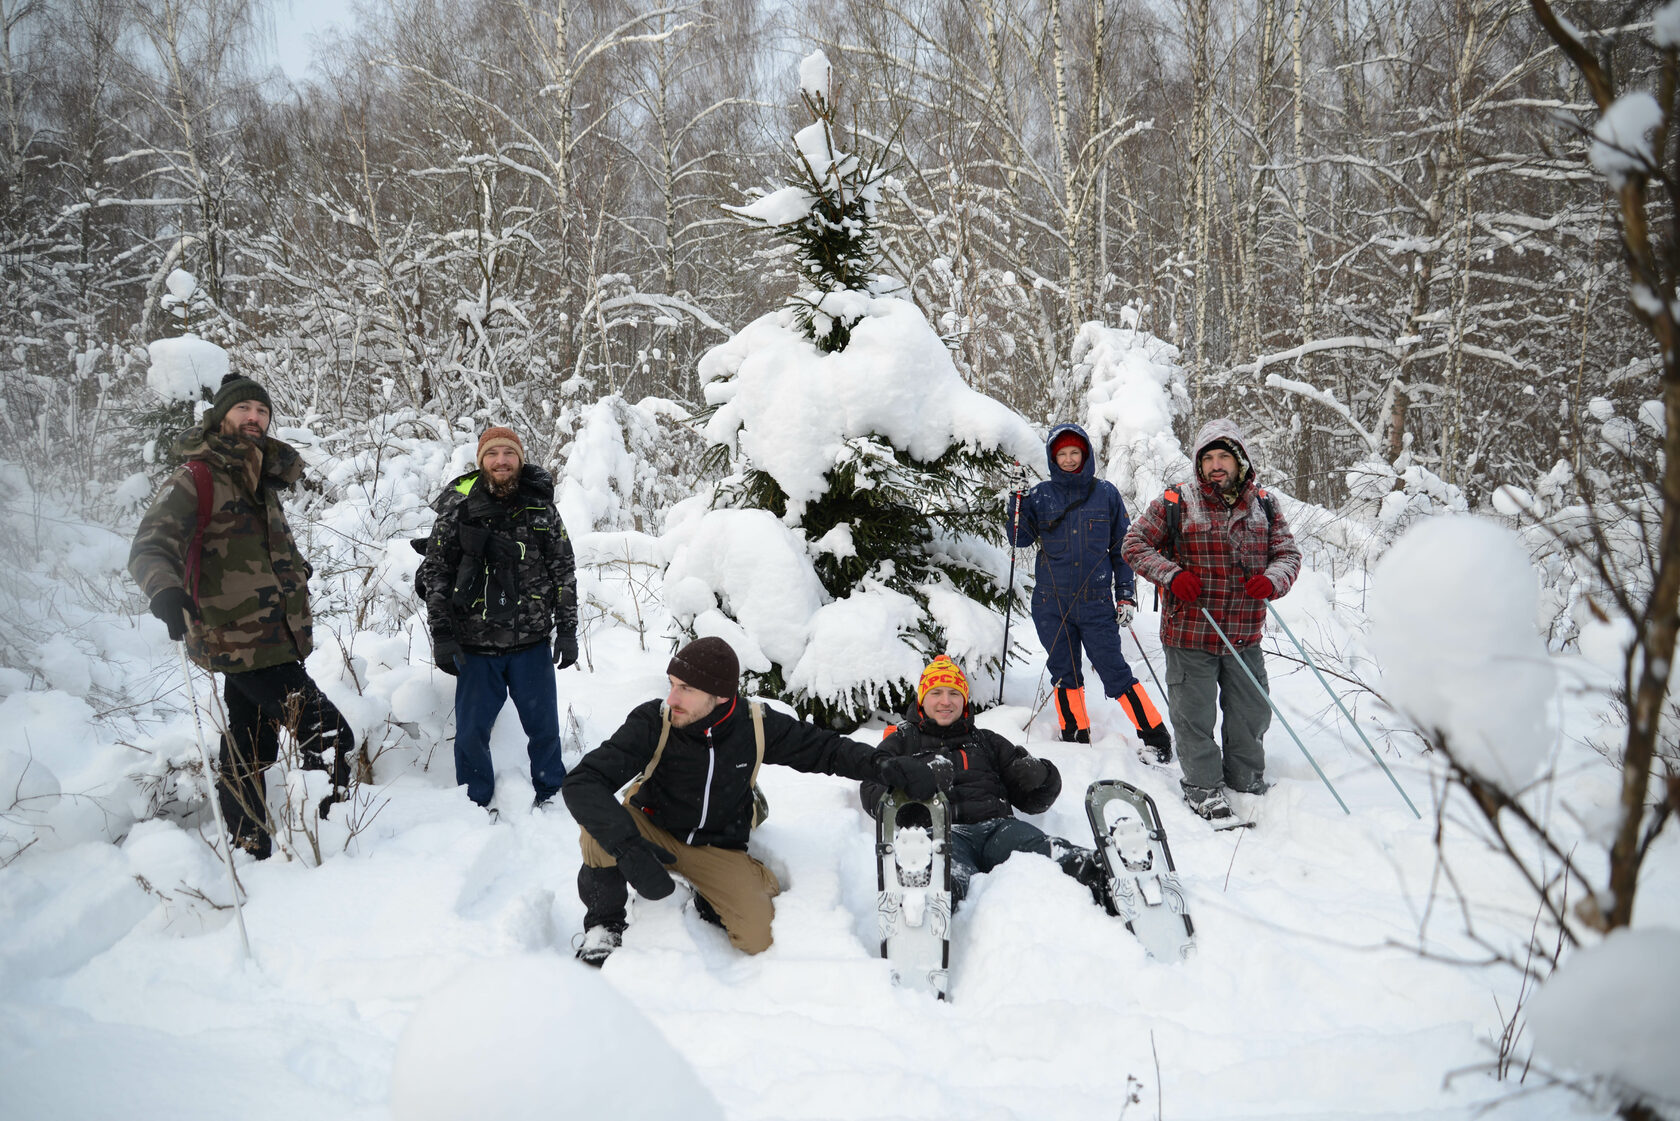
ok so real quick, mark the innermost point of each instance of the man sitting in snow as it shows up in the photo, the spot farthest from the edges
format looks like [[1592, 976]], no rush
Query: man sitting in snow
[[1233, 551], [222, 572], [983, 776], [697, 754], [498, 579]]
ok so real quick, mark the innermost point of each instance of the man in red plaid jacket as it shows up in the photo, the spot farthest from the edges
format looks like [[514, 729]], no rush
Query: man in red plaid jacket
[[1233, 552]]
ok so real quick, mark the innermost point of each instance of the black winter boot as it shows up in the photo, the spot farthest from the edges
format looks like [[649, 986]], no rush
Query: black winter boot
[[1157, 745], [1086, 866], [597, 943], [707, 912], [605, 894]]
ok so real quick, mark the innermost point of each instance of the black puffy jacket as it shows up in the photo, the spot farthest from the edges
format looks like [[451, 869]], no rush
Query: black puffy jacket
[[989, 775], [498, 574], [701, 792]]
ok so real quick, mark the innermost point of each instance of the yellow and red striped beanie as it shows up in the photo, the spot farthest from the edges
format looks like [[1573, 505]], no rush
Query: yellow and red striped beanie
[[941, 671]]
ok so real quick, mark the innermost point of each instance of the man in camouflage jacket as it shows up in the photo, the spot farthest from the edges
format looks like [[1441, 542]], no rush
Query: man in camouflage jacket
[[245, 612], [1233, 552], [498, 578]]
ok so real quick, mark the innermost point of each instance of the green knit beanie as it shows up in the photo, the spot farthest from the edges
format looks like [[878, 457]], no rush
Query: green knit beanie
[[234, 389]]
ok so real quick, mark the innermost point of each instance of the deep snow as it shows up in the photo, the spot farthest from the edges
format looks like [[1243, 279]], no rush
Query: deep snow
[[124, 994]]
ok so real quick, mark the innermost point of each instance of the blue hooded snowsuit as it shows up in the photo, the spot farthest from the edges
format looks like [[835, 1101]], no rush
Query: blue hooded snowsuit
[[1079, 522]]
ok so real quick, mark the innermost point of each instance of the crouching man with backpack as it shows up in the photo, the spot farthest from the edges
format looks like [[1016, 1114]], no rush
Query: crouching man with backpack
[[217, 561], [698, 754], [1221, 544]]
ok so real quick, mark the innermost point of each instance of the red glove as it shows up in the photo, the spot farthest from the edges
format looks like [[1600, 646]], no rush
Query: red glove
[[1186, 585], [1258, 587]]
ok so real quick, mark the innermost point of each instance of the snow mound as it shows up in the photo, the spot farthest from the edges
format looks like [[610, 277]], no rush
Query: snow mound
[[1610, 1011], [1453, 609], [530, 1038]]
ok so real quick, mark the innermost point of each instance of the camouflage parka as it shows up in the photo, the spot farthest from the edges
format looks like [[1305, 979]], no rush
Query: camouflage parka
[[253, 585], [498, 575]]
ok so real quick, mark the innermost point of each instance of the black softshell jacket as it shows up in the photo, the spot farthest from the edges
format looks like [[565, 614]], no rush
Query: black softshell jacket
[[986, 771], [701, 792]]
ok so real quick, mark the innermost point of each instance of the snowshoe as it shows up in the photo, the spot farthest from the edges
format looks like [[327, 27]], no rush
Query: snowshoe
[[913, 904], [1143, 885], [1214, 808]]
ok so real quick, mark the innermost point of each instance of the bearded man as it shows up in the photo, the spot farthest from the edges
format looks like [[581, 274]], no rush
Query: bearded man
[[1231, 552], [220, 568], [499, 580]]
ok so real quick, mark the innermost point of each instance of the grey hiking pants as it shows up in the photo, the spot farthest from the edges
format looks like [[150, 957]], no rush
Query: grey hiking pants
[[1195, 680]]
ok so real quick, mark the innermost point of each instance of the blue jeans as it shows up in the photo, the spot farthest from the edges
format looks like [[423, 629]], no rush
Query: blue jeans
[[484, 683], [983, 845]]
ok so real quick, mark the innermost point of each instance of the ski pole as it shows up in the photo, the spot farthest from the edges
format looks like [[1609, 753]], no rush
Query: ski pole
[[215, 802], [1268, 698], [1312, 665], [1159, 691], [1009, 600]]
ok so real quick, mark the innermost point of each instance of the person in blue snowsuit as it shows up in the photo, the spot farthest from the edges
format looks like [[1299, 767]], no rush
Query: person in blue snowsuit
[[1084, 592]]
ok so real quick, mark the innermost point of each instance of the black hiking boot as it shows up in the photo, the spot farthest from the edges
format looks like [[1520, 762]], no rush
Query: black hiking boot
[[597, 943]]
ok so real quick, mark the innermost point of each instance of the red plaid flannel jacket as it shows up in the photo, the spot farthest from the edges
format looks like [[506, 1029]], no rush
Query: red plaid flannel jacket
[[1222, 546]]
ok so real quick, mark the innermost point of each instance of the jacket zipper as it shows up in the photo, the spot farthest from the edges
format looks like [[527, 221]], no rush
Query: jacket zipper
[[706, 798]]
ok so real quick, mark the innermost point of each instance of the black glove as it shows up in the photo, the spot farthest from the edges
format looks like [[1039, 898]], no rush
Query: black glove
[[914, 777], [944, 771], [446, 653], [643, 864], [169, 605], [1028, 774], [565, 649]]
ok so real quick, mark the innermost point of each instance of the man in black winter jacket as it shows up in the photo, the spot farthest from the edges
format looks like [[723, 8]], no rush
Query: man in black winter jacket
[[498, 578], [694, 810], [985, 777]]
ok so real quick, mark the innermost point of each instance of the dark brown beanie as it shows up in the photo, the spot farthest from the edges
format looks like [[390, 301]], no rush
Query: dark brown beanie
[[707, 664], [234, 389]]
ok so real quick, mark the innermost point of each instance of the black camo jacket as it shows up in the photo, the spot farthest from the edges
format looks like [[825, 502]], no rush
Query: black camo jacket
[[482, 547]]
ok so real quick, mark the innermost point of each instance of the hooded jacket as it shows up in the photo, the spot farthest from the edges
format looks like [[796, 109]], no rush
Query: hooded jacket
[[499, 575], [1223, 544], [701, 792], [988, 773], [1079, 522], [253, 584]]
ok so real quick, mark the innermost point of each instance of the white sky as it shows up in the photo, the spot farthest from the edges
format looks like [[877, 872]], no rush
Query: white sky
[[296, 25]]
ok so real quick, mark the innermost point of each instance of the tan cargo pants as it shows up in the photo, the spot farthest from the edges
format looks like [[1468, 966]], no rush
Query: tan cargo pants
[[738, 887]]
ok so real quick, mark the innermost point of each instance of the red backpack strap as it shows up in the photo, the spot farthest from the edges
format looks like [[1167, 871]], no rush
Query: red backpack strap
[[200, 472]]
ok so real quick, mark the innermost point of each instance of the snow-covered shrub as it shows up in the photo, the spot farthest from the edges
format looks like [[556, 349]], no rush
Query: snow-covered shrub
[[626, 465]]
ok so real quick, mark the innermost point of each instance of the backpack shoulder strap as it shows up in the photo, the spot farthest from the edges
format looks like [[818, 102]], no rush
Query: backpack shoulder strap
[[204, 486], [659, 750], [1267, 504], [1174, 509], [757, 711]]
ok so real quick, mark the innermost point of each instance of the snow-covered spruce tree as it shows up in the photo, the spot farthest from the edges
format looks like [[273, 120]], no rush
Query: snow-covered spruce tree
[[870, 467]]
